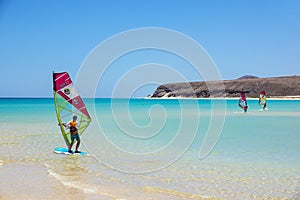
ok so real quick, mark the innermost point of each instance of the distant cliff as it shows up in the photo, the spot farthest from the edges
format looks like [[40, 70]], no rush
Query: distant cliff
[[274, 87]]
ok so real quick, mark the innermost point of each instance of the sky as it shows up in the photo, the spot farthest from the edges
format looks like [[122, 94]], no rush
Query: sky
[[253, 37]]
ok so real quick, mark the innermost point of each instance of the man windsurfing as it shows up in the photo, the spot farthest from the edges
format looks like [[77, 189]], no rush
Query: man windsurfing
[[243, 102], [73, 126], [263, 100]]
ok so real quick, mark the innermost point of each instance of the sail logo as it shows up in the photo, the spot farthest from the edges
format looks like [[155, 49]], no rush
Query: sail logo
[[67, 82], [62, 85], [67, 91], [75, 101]]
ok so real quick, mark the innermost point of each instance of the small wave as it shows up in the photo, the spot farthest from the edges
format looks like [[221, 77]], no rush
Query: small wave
[[86, 188], [178, 193]]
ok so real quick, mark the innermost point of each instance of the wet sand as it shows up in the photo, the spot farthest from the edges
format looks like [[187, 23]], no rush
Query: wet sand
[[32, 181]]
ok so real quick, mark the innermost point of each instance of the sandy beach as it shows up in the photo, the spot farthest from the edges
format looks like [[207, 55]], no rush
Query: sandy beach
[[24, 180]]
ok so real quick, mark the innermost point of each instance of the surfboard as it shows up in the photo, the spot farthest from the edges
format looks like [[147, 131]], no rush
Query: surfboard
[[61, 150], [266, 109], [239, 112]]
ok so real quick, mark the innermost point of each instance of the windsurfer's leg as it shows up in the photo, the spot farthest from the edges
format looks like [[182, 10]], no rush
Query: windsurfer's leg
[[77, 145], [70, 148], [72, 142]]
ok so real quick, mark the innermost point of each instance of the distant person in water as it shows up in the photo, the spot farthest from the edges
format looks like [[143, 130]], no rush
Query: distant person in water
[[243, 102], [263, 100], [73, 126]]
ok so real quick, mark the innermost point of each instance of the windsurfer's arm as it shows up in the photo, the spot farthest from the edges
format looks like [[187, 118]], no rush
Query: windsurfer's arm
[[64, 124], [67, 125]]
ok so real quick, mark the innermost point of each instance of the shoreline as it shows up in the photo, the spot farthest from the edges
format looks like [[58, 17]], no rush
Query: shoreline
[[179, 97], [231, 98]]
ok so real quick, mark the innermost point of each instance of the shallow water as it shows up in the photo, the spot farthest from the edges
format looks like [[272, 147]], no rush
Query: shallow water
[[149, 148]]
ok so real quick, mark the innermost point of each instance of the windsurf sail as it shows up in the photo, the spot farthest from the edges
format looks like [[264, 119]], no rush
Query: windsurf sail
[[262, 98], [243, 102], [67, 104]]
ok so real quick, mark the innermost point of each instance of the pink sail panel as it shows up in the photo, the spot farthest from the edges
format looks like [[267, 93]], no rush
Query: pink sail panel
[[61, 80], [62, 84]]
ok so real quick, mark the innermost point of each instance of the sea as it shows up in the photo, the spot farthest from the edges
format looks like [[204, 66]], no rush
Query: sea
[[153, 149]]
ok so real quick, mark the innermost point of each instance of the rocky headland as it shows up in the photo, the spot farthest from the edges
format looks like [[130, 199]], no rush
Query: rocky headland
[[285, 86]]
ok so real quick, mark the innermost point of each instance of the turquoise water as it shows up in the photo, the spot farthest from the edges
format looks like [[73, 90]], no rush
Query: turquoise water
[[149, 148]]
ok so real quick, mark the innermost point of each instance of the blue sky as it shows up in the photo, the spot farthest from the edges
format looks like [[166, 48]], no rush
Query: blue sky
[[242, 37]]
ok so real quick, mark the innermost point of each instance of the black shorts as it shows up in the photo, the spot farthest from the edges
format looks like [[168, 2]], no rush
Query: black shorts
[[75, 136]]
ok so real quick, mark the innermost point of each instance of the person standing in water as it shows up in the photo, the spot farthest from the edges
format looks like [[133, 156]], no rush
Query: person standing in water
[[263, 100], [243, 102], [73, 126]]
